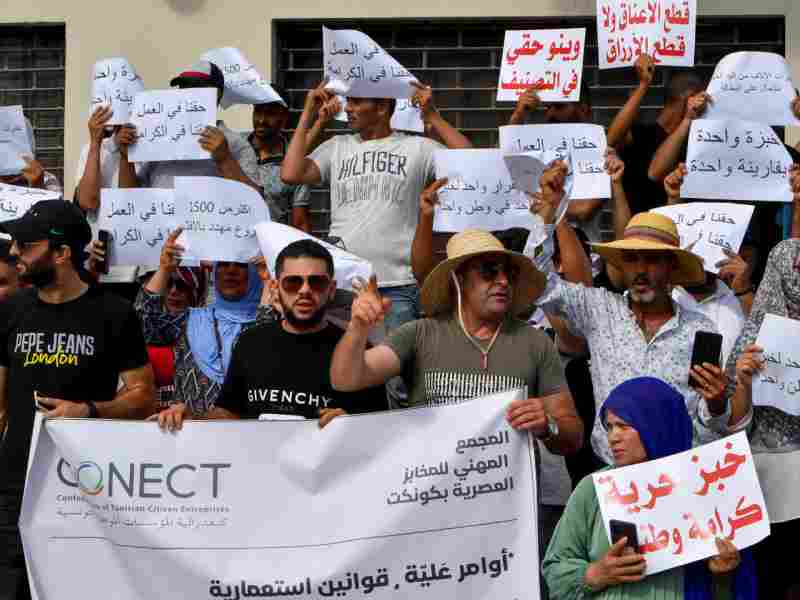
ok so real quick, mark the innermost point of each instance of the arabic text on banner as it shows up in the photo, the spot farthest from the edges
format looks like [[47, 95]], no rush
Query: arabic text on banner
[[115, 83], [243, 83], [681, 503], [778, 384], [14, 140], [427, 501], [16, 199]]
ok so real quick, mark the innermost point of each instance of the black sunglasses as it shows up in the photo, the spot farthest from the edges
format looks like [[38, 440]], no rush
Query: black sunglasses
[[292, 284], [490, 269]]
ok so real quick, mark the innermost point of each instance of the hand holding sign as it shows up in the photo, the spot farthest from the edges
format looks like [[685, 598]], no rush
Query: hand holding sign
[[618, 566], [673, 183], [429, 198], [97, 123]]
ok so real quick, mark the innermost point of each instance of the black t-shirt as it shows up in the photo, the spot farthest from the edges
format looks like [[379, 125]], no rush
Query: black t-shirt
[[277, 372], [72, 351], [643, 194]]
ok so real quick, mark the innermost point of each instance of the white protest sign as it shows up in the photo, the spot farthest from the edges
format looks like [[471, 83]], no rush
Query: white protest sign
[[778, 384], [586, 144], [274, 237], [243, 83], [16, 199], [115, 83], [526, 170], [169, 122], [752, 86], [358, 67], [406, 116], [736, 160], [219, 218], [681, 503], [665, 30], [430, 501], [139, 220], [14, 140], [549, 60], [709, 228]]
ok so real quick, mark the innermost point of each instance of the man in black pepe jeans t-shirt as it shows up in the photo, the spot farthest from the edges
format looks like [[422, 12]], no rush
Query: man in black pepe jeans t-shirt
[[63, 345], [283, 368]]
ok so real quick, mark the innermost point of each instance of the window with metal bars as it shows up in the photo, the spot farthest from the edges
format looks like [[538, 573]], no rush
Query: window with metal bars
[[32, 75], [460, 59]]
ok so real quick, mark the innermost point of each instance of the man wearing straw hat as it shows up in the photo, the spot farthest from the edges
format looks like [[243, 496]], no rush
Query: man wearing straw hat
[[644, 332]]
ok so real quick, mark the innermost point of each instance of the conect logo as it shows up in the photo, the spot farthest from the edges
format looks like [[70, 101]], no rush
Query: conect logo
[[143, 480]]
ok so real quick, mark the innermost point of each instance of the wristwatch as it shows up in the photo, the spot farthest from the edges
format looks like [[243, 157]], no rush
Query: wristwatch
[[93, 414], [552, 430]]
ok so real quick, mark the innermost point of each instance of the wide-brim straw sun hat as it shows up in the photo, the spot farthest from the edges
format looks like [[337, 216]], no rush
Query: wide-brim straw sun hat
[[651, 231], [438, 294]]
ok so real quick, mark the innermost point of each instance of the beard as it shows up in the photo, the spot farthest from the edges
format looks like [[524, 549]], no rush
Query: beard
[[40, 273], [647, 297], [307, 323]]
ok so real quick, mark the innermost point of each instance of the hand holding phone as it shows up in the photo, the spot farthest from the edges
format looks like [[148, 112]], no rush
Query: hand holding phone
[[104, 236], [707, 349]]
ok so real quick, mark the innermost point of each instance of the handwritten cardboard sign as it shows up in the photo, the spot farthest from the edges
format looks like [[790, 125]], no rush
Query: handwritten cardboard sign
[[662, 29], [115, 83], [356, 66], [14, 140], [586, 144], [681, 503], [139, 220], [243, 83], [16, 199], [169, 122], [736, 160], [778, 384], [709, 228], [752, 86], [550, 61]]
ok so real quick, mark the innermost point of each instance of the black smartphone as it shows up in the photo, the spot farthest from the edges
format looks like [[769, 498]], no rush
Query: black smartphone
[[104, 236], [624, 529], [707, 349]]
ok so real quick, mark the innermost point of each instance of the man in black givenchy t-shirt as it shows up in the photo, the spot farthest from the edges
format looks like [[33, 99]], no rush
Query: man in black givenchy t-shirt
[[283, 368], [64, 346]]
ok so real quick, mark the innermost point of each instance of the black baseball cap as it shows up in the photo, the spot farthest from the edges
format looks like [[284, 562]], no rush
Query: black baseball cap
[[57, 220]]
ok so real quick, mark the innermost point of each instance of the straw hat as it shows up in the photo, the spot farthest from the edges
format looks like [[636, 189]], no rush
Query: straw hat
[[438, 294], [653, 231]]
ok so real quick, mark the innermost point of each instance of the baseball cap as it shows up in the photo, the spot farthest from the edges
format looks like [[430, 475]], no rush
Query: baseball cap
[[200, 72], [56, 220]]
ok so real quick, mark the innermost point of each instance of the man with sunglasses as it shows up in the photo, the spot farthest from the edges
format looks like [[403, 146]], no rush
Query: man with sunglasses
[[283, 368], [9, 281], [64, 346]]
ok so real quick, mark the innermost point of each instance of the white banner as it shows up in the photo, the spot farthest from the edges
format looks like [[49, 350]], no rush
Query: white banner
[[549, 60], [243, 83], [778, 384], [115, 83], [356, 66], [736, 160], [274, 237], [709, 228], [401, 504], [586, 144], [14, 140], [680, 503], [139, 220], [752, 86], [219, 218], [169, 122], [16, 199], [665, 30]]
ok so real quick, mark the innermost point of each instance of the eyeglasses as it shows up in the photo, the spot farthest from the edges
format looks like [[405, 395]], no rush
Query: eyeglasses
[[291, 284], [490, 269]]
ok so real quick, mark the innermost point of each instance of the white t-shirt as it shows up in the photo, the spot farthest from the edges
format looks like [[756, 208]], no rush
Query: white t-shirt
[[722, 308], [375, 187]]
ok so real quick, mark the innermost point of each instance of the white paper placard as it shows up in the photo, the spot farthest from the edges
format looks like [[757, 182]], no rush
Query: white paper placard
[[778, 384], [14, 140], [549, 60], [243, 83], [16, 199], [115, 82], [736, 160], [169, 122]]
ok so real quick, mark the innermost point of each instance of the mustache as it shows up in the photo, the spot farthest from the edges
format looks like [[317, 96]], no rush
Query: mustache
[[641, 279]]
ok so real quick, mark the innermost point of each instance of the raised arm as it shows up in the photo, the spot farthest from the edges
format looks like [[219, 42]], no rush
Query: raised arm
[[212, 140], [422, 258], [125, 137], [621, 209], [673, 183], [526, 105], [619, 132], [326, 114], [296, 168], [87, 194], [435, 122], [669, 152]]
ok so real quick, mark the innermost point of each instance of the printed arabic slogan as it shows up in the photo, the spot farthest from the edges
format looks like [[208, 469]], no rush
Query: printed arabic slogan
[[427, 501], [115, 83], [752, 86], [778, 384], [139, 221], [549, 61], [14, 141], [15, 200], [681, 503], [663, 29], [169, 122], [243, 83], [586, 144], [710, 228], [736, 160]]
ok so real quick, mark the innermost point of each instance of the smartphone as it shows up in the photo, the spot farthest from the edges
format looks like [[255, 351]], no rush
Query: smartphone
[[624, 529], [105, 237], [707, 349]]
